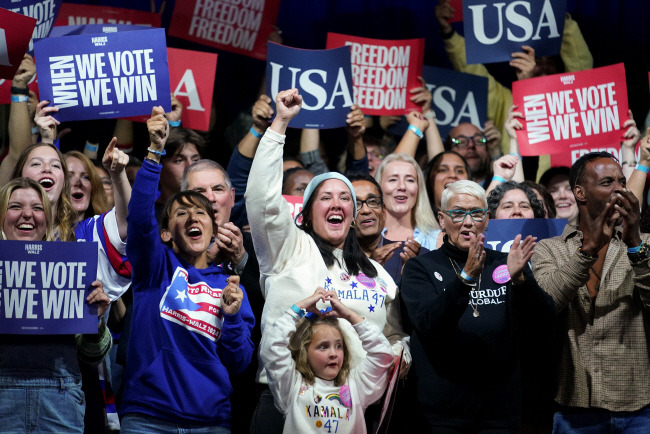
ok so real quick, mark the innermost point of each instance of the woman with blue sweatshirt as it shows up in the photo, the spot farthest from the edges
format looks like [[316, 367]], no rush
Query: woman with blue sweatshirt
[[191, 321]]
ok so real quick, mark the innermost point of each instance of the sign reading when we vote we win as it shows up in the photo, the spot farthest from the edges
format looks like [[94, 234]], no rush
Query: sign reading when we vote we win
[[44, 285], [568, 115], [104, 75], [323, 79], [44, 11], [383, 72]]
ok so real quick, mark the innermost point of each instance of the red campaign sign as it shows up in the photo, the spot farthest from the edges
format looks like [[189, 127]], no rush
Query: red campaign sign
[[295, 205], [458, 11], [383, 71], [191, 77], [241, 27], [79, 14], [15, 32], [570, 114]]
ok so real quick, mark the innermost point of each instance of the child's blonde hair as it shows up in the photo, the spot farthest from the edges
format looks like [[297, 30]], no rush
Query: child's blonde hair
[[299, 342]]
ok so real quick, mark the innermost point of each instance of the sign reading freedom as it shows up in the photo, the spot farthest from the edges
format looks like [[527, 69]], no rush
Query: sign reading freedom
[[239, 26], [495, 30], [383, 72], [572, 113], [104, 75], [44, 285], [323, 79], [45, 12], [15, 33]]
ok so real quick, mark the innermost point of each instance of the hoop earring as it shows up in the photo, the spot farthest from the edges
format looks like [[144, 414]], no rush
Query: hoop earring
[[352, 225]]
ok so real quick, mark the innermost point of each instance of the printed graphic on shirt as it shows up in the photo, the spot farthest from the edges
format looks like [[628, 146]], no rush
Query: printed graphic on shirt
[[479, 297], [324, 412], [195, 306], [360, 288]]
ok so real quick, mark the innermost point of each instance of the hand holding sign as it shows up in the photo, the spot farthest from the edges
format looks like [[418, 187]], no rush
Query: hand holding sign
[[98, 296], [356, 122], [45, 122], [444, 12], [524, 62], [177, 111], [158, 128], [25, 72], [262, 113], [421, 96], [231, 297], [518, 257]]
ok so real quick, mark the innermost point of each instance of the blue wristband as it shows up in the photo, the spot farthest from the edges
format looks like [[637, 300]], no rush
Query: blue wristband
[[635, 249], [19, 98], [254, 132], [153, 151], [515, 154], [498, 179], [641, 167], [298, 311], [416, 130], [174, 124], [35, 130], [466, 276]]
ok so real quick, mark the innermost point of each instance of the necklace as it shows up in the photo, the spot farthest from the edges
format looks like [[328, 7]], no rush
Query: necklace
[[473, 305]]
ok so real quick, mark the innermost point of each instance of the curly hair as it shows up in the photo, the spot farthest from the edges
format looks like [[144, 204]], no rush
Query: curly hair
[[299, 343], [497, 194], [65, 217]]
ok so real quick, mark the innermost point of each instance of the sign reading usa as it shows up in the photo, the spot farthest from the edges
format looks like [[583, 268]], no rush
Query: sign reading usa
[[495, 30], [383, 72], [457, 97], [239, 26], [15, 33], [43, 287], [323, 79], [572, 113], [45, 12], [104, 75]]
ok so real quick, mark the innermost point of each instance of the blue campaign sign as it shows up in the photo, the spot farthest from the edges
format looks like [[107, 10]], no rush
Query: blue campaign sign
[[495, 30], [323, 78], [106, 75], [86, 29], [43, 287], [457, 98], [44, 11], [503, 232]]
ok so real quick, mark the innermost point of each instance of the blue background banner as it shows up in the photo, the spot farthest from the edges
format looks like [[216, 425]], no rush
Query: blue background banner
[[45, 12], [503, 232], [495, 30], [44, 285], [109, 75], [323, 78]]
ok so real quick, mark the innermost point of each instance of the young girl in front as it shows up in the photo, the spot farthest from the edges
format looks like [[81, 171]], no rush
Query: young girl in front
[[308, 365]]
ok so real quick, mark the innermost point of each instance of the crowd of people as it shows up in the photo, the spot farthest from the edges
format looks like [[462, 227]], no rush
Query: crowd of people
[[221, 312]]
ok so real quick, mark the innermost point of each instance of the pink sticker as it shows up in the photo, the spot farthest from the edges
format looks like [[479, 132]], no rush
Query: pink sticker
[[366, 281], [501, 274], [346, 398]]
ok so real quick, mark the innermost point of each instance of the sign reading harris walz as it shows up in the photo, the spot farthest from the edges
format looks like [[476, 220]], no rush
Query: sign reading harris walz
[[495, 30], [104, 75], [44, 285]]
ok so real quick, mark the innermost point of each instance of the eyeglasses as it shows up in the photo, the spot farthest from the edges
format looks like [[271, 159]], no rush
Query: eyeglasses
[[462, 142], [372, 202], [459, 215], [376, 154]]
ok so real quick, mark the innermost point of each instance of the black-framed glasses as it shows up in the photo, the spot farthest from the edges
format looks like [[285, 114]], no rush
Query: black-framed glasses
[[462, 142], [459, 215], [372, 202]]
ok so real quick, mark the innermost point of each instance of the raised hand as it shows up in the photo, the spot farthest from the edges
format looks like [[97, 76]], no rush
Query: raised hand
[[114, 160], [158, 128], [177, 111], [513, 122], [340, 310], [356, 122], [524, 62], [24, 73], [505, 167], [421, 96], [519, 255], [475, 255], [231, 296], [309, 303], [262, 113], [47, 125]]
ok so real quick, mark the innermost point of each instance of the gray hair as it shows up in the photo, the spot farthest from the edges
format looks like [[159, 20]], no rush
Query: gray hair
[[201, 165], [463, 186]]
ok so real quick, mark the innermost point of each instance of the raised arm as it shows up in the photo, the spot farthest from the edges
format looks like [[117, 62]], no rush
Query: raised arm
[[418, 125], [115, 161], [357, 160], [636, 181], [630, 139], [20, 134]]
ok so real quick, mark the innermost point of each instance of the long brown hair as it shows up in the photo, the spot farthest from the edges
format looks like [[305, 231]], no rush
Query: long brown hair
[[64, 220], [98, 202]]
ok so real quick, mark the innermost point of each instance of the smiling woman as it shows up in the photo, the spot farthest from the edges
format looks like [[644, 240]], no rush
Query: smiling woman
[[86, 190]]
